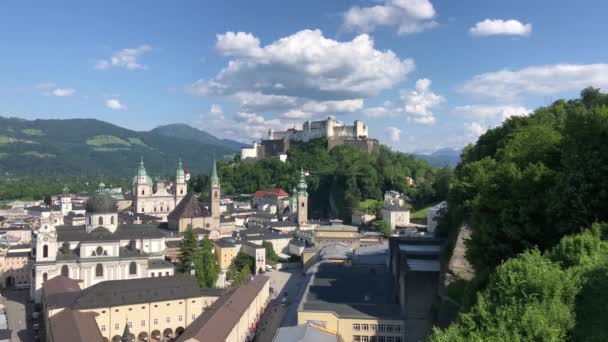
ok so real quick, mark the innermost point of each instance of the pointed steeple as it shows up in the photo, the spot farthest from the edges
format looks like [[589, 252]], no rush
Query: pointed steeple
[[214, 177], [126, 335]]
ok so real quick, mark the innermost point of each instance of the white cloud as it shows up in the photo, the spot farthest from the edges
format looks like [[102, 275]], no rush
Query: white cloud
[[243, 126], [415, 104], [114, 104], [493, 27], [63, 92], [488, 112], [394, 134], [125, 58], [474, 130], [409, 16], [304, 73], [537, 80], [421, 100]]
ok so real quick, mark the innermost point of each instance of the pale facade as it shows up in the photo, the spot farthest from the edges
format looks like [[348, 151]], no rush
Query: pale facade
[[14, 267], [328, 128], [98, 251], [164, 199], [166, 314], [396, 216]]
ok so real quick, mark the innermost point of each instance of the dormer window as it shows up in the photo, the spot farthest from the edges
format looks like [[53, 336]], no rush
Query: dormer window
[[99, 251]]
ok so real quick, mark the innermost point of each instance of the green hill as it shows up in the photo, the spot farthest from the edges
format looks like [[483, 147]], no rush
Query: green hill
[[89, 147], [184, 131]]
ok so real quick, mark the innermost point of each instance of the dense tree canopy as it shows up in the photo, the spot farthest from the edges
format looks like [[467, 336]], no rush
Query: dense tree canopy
[[556, 297], [534, 179], [339, 179]]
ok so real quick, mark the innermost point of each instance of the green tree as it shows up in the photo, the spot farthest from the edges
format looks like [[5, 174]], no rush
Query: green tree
[[189, 250], [241, 276], [271, 255], [209, 269]]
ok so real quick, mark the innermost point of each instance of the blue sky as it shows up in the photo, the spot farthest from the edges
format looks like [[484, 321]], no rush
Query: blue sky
[[421, 74]]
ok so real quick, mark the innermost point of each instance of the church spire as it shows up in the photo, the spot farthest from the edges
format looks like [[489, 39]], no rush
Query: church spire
[[214, 177], [302, 186], [126, 335], [180, 169]]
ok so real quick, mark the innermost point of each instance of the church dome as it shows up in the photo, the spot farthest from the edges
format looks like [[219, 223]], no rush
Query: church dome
[[101, 203]]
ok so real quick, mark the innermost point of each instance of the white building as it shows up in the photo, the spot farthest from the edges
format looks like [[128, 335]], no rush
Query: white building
[[396, 216], [161, 202], [329, 128], [99, 250]]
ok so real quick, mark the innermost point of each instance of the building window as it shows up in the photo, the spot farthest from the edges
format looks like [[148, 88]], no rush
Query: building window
[[389, 328], [373, 327], [152, 274], [181, 191], [364, 327], [130, 324], [168, 320], [64, 271], [167, 273], [364, 339], [116, 326], [356, 338], [180, 318], [90, 220], [397, 328], [156, 321], [302, 204], [143, 324], [99, 270], [142, 192], [45, 251], [103, 328], [112, 219], [100, 220], [44, 277], [356, 327], [193, 317], [381, 328], [132, 268]]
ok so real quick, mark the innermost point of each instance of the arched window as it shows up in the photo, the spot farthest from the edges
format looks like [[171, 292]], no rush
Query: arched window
[[112, 219], [65, 271], [44, 277], [132, 268], [181, 191], [45, 251], [90, 220], [302, 204], [215, 194], [99, 270], [100, 220], [142, 192]]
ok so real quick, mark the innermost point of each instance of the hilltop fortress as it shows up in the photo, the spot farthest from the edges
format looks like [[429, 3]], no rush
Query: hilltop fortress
[[335, 132]]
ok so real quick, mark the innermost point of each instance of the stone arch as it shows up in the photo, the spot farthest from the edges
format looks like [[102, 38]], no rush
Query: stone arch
[[179, 331], [168, 333], [10, 282], [155, 334], [65, 271], [116, 338], [142, 337]]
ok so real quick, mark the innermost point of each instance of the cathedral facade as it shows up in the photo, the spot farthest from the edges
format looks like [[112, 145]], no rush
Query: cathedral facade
[[99, 250], [161, 201]]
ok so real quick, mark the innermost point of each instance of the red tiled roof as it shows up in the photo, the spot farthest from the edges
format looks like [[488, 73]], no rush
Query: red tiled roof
[[60, 284], [271, 192], [74, 326]]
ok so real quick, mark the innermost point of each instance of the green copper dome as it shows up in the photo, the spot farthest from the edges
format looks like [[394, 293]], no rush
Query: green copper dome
[[101, 203], [180, 169], [141, 172], [302, 186]]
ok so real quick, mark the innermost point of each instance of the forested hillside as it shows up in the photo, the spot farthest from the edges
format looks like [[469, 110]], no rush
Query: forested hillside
[[339, 180], [93, 148], [522, 188]]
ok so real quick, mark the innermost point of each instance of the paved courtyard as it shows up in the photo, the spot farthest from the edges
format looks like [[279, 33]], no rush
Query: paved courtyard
[[15, 302]]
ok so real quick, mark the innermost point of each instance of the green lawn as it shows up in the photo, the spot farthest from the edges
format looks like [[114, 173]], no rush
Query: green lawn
[[101, 140], [32, 132]]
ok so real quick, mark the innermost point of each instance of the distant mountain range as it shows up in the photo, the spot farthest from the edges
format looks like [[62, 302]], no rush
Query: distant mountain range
[[89, 147], [442, 157]]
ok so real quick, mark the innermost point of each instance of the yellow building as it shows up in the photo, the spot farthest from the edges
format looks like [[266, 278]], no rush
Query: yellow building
[[354, 302], [151, 307], [225, 252], [234, 316]]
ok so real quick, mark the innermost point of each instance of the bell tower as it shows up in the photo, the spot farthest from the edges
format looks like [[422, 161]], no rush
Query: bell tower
[[302, 200], [181, 187], [142, 188], [214, 197]]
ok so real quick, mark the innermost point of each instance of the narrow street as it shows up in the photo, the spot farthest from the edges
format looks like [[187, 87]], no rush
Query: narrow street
[[15, 302], [281, 281]]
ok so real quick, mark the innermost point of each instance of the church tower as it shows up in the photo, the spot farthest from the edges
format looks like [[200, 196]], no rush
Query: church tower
[[214, 197], [181, 187], [142, 188], [302, 200]]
